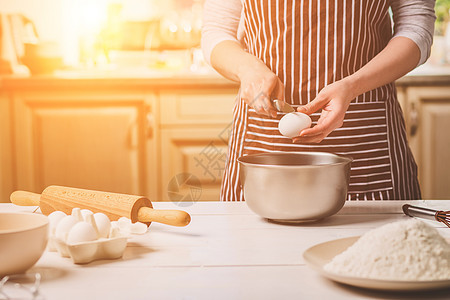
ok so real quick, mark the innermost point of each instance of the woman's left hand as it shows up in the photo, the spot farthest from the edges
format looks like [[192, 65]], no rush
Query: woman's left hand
[[334, 100]]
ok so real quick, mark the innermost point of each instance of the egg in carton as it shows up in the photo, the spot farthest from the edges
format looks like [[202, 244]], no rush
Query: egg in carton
[[84, 236]]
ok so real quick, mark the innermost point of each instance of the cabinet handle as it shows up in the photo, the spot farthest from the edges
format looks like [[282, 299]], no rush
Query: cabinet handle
[[413, 120]]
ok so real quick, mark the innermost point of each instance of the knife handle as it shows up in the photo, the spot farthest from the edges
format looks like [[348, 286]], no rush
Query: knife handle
[[24, 198]]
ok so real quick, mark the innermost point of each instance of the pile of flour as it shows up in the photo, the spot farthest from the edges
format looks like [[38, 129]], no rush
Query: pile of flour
[[404, 250]]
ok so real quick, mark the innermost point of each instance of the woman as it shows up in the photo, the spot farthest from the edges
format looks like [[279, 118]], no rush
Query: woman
[[333, 60]]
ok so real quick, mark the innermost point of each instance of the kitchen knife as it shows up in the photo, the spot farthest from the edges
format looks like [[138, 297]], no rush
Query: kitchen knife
[[282, 106]]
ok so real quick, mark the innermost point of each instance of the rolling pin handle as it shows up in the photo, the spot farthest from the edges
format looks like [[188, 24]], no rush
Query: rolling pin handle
[[24, 198], [169, 217]]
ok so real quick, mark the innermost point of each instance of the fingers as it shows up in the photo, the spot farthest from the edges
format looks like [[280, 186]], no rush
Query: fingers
[[258, 101], [334, 100], [263, 105], [317, 133], [309, 139], [314, 105], [259, 95], [312, 135], [278, 91], [275, 90], [322, 117], [328, 122], [322, 125]]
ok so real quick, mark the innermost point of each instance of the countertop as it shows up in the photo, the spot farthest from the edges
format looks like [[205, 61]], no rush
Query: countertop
[[427, 74], [130, 78], [226, 252], [145, 78]]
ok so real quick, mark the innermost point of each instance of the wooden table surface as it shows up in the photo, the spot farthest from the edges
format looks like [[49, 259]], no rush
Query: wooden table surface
[[226, 252]]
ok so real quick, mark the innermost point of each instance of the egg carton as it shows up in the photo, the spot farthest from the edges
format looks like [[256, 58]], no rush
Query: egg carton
[[86, 252], [84, 236]]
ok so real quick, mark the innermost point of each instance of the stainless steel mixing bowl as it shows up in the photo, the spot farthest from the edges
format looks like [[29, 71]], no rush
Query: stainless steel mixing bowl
[[295, 186]]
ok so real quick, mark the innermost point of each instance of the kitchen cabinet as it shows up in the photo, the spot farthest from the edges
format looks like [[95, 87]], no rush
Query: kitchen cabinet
[[195, 127], [427, 111], [119, 135], [92, 139], [6, 151]]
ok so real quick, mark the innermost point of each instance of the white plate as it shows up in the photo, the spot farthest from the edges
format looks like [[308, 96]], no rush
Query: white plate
[[321, 254]]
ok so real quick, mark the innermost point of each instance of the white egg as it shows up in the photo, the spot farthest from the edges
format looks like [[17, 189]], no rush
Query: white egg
[[54, 218], [124, 226], [76, 212], [138, 228], [124, 223], [81, 232], [103, 224], [115, 232], [114, 224], [293, 123], [85, 213], [64, 227]]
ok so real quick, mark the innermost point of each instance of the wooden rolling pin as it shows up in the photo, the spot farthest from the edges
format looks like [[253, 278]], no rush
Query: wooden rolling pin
[[113, 205]]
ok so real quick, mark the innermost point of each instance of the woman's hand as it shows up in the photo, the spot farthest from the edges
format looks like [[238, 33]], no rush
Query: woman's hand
[[334, 100], [400, 56], [258, 86]]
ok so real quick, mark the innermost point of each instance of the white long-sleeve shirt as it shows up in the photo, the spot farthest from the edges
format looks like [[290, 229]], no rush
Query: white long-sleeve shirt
[[414, 19]]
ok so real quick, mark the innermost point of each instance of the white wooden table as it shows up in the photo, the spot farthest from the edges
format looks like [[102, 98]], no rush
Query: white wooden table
[[226, 252]]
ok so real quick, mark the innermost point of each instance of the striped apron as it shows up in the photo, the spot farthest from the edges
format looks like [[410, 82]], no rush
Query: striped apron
[[309, 44]]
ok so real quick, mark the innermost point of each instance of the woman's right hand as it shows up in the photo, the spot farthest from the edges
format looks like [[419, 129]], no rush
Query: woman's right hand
[[259, 85]]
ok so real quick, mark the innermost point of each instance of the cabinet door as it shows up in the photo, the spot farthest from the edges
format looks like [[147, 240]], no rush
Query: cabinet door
[[195, 125], [193, 161], [6, 164], [428, 119], [98, 141], [197, 107]]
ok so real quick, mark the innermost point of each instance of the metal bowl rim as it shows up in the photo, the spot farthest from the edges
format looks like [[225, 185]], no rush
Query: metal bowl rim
[[347, 160]]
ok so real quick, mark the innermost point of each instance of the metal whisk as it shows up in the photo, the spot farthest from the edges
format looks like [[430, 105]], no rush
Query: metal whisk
[[426, 213]]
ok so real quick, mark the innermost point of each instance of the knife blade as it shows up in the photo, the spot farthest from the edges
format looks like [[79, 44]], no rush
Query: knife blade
[[283, 107]]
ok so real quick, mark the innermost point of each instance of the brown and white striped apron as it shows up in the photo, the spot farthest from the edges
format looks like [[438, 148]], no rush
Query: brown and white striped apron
[[310, 44]]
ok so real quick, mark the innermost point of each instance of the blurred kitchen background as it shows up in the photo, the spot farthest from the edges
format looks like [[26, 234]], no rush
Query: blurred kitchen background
[[51, 34], [115, 95]]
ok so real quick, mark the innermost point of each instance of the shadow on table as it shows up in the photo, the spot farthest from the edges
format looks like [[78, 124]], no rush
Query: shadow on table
[[338, 220], [443, 294], [132, 251], [48, 273]]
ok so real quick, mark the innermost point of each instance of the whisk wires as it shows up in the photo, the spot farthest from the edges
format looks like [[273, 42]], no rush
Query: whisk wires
[[443, 216]]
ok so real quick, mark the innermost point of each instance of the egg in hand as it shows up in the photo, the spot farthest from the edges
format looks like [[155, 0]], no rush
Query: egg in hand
[[293, 123]]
